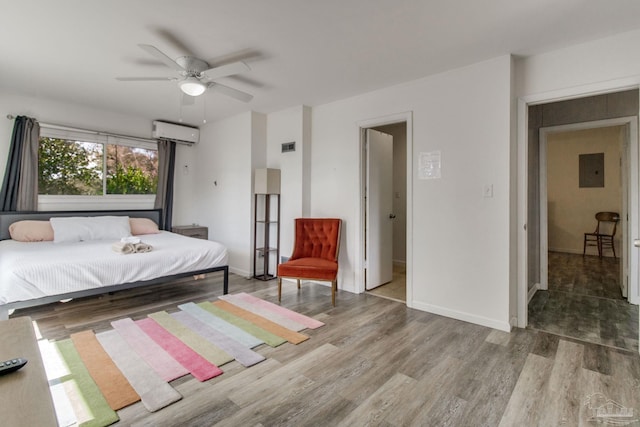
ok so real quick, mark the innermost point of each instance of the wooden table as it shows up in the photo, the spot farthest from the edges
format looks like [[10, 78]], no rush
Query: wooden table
[[197, 231], [25, 396]]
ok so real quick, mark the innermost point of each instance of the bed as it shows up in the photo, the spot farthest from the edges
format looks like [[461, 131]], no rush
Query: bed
[[37, 273]]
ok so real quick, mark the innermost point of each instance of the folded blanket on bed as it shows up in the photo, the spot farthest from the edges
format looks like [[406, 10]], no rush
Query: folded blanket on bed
[[131, 248], [123, 248], [142, 247]]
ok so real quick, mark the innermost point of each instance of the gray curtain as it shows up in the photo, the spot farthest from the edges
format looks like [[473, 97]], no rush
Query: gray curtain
[[166, 169], [20, 186]]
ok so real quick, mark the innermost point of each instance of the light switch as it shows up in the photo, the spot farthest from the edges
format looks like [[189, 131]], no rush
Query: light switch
[[487, 191]]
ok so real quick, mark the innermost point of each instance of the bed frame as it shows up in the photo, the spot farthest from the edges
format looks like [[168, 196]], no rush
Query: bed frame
[[8, 218]]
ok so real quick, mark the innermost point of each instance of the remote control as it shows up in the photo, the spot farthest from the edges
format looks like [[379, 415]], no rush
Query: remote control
[[12, 365]]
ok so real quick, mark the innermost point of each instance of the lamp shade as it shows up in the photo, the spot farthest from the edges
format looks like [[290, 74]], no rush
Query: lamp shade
[[192, 86], [267, 181]]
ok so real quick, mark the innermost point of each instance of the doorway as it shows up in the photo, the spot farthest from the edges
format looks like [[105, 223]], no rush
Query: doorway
[[553, 248], [394, 284], [582, 291]]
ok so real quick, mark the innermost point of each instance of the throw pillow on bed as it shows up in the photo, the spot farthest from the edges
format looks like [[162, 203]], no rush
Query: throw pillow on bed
[[141, 226], [77, 229], [31, 231]]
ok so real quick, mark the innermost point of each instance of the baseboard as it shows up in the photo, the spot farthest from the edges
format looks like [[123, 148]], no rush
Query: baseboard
[[240, 272], [591, 250], [573, 251], [533, 291], [399, 263], [459, 315], [513, 322]]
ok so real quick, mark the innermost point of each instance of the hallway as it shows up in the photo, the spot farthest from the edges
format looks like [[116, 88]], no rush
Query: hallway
[[584, 301]]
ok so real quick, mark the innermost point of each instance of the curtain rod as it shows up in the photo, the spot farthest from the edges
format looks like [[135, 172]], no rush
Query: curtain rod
[[94, 132]]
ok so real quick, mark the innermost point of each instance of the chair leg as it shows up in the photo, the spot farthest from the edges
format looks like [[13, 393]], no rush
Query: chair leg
[[599, 247], [334, 287], [613, 248], [298, 283], [584, 246], [279, 289]]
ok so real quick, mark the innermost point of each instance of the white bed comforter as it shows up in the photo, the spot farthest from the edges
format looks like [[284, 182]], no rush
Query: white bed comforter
[[34, 270]]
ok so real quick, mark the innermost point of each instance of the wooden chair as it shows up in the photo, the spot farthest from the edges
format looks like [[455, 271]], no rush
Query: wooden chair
[[315, 253], [604, 233]]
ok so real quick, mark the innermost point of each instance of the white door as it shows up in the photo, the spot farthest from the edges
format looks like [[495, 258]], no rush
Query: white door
[[379, 209]]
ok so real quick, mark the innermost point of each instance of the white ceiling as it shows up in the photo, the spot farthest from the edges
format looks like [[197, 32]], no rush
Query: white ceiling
[[300, 51]]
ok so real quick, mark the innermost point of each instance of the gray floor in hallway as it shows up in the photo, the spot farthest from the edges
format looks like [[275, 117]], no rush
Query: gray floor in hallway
[[584, 301]]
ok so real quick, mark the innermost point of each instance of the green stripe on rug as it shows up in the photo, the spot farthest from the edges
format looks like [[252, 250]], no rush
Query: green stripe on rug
[[266, 336], [200, 345], [97, 410]]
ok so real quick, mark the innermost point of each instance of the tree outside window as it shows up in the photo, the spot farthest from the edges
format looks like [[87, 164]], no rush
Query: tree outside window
[[131, 170], [68, 167]]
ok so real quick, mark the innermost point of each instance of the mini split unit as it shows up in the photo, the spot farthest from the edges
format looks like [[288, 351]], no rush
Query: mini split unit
[[178, 133]]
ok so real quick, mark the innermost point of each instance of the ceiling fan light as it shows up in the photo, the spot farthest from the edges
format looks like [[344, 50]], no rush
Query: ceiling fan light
[[192, 86]]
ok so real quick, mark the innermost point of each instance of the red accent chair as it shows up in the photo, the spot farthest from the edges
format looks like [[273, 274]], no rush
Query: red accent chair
[[315, 253]]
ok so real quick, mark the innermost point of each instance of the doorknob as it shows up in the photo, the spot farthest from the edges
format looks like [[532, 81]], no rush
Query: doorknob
[[636, 243], [394, 215]]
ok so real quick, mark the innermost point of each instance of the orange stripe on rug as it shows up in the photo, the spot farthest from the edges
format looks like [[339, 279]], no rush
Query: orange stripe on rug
[[266, 324], [115, 387]]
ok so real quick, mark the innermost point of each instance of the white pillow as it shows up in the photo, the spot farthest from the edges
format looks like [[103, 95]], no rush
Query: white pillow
[[77, 229]]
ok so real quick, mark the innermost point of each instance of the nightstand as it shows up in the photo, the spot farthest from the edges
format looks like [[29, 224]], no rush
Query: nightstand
[[197, 231]]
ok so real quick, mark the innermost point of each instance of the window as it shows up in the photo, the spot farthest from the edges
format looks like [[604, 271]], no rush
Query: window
[[87, 164]]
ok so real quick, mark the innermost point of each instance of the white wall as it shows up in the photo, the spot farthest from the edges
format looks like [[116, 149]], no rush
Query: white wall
[[571, 209], [290, 125], [221, 188], [592, 64], [460, 244]]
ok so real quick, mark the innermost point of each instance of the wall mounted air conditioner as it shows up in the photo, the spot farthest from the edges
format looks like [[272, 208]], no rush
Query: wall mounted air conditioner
[[178, 133]]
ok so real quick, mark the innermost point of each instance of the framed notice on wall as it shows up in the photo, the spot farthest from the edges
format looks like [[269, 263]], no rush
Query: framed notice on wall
[[429, 165]]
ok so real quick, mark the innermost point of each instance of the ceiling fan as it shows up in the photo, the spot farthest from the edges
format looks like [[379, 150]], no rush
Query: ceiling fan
[[195, 76]]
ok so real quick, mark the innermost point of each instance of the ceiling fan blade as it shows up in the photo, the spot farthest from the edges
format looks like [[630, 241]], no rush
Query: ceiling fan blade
[[152, 50], [175, 41], [226, 70], [229, 91], [145, 79]]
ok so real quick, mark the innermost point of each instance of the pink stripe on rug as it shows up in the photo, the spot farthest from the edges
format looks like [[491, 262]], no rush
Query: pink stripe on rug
[[166, 366], [199, 367], [300, 318], [242, 354]]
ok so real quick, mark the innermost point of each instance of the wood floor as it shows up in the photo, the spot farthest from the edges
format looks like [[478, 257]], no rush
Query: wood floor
[[584, 301], [395, 290], [375, 362]]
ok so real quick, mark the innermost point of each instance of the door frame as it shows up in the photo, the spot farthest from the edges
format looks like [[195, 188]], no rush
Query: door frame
[[522, 189], [629, 184], [407, 118]]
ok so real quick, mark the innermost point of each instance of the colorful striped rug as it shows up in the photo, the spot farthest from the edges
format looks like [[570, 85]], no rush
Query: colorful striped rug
[[93, 375]]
